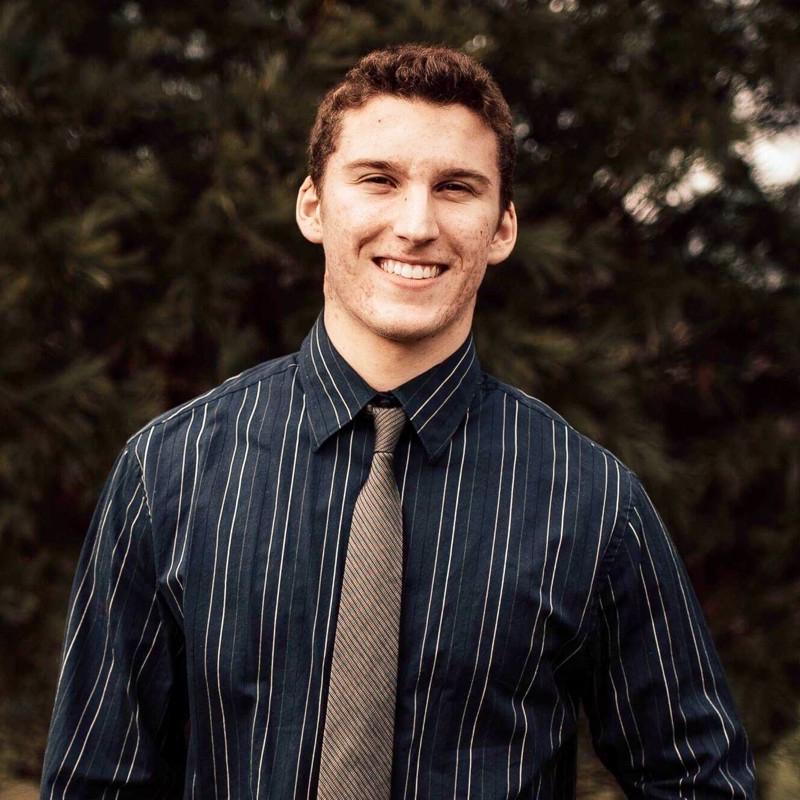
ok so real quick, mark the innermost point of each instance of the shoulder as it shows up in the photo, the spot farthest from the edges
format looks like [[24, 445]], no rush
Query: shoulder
[[565, 437], [496, 390], [576, 457], [218, 400]]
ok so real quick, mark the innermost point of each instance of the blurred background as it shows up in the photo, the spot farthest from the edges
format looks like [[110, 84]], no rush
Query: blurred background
[[150, 155]]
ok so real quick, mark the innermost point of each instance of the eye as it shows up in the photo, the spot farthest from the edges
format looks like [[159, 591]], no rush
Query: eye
[[451, 186], [380, 180]]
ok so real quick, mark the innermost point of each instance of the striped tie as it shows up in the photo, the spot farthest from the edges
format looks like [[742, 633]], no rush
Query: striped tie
[[357, 744]]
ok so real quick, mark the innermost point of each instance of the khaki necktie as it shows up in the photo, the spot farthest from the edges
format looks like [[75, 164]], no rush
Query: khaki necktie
[[357, 745]]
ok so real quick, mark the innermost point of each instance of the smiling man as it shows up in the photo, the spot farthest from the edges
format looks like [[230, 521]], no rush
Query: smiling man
[[368, 569]]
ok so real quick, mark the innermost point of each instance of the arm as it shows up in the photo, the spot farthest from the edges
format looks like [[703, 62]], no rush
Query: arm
[[117, 721], [661, 715]]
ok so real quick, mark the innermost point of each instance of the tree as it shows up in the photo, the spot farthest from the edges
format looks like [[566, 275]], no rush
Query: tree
[[149, 158]]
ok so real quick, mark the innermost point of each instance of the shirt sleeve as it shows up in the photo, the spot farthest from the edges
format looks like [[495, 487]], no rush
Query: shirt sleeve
[[661, 715], [117, 729]]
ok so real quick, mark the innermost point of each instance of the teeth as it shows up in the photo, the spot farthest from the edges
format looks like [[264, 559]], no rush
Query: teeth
[[415, 271]]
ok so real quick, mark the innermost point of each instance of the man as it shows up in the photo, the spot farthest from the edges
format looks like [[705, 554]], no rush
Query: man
[[368, 569]]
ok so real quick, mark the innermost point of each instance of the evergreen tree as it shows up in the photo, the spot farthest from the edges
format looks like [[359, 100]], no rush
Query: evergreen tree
[[149, 158]]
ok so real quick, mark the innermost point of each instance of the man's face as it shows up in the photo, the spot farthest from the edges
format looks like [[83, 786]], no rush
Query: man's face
[[408, 218]]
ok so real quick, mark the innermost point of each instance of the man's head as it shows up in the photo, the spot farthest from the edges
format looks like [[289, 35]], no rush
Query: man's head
[[436, 74], [407, 201]]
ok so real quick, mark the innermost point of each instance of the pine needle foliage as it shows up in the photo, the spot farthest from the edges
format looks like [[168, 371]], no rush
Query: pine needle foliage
[[149, 158]]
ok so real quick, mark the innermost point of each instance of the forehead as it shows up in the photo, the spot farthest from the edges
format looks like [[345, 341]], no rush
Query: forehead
[[419, 133]]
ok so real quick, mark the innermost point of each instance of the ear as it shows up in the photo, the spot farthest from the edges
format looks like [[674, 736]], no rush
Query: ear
[[505, 237], [307, 211]]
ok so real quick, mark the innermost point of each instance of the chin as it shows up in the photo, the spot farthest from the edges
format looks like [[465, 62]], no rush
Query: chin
[[405, 330]]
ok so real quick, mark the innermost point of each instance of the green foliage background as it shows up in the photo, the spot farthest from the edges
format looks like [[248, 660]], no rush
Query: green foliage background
[[149, 158]]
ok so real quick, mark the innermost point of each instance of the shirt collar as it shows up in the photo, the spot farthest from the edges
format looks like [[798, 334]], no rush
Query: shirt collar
[[435, 402]]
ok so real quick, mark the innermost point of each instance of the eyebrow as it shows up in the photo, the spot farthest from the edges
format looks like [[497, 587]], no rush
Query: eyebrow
[[450, 173]]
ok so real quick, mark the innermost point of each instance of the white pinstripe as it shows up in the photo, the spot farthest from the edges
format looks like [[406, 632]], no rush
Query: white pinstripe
[[726, 775], [552, 582], [316, 614], [444, 383], [424, 638], [102, 660], [334, 573], [483, 617], [93, 562], [227, 568], [599, 539], [514, 598], [661, 664], [128, 688], [264, 589], [91, 693], [611, 529], [433, 414], [665, 617], [209, 616], [625, 681], [192, 504], [502, 575], [180, 503], [278, 597], [138, 674], [444, 598], [322, 382], [536, 618], [614, 686]]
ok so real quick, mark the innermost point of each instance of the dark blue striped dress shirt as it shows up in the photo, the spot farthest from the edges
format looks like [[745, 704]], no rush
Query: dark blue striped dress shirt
[[537, 577]]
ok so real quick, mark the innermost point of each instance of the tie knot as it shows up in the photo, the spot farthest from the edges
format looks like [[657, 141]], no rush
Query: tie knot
[[389, 423]]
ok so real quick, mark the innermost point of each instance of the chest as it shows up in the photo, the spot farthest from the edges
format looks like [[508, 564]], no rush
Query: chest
[[502, 541]]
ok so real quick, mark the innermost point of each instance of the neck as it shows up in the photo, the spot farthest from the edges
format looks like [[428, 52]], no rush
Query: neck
[[383, 363]]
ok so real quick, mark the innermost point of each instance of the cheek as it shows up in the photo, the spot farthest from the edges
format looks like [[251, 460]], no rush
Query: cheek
[[353, 214], [473, 233], [476, 242]]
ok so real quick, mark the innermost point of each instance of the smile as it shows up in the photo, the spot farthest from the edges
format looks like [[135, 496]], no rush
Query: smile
[[406, 270]]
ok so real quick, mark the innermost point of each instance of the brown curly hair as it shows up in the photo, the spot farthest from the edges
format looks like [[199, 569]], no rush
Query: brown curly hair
[[434, 73]]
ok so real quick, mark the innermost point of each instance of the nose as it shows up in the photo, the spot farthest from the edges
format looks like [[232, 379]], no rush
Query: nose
[[415, 218]]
